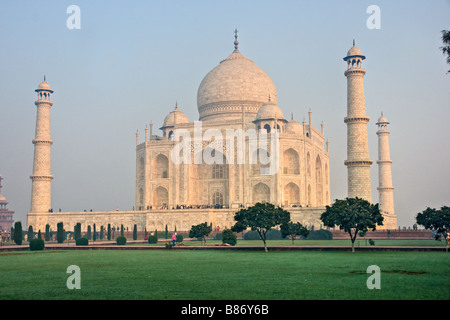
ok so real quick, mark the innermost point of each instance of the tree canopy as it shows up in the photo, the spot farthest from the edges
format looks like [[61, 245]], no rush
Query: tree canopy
[[352, 215], [293, 230], [201, 230], [446, 47], [437, 220], [261, 218]]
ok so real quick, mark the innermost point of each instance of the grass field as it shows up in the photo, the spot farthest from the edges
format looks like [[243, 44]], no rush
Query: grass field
[[223, 275], [341, 242]]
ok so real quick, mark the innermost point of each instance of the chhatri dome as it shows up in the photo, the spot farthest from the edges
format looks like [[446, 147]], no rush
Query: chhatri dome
[[44, 86], [293, 126], [382, 119], [269, 110], [237, 84], [175, 117], [354, 52]]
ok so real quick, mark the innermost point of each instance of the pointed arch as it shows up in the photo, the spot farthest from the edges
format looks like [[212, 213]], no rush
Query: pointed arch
[[291, 194], [260, 162], [161, 198], [291, 163], [261, 193], [319, 182], [308, 165], [160, 167], [141, 167], [141, 197], [308, 203]]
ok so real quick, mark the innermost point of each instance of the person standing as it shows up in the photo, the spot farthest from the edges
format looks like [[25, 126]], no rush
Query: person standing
[[174, 238]]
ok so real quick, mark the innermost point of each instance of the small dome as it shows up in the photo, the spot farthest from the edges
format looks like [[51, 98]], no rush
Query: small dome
[[44, 86], [354, 51], [269, 110], [293, 126], [175, 117], [382, 119]]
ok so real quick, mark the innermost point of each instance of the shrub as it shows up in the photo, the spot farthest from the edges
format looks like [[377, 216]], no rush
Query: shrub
[[371, 242], [321, 234], [30, 233], [18, 233], [179, 238], [273, 235], [169, 246], [60, 232], [77, 231], [229, 237], [135, 232], [152, 239], [82, 242], [37, 244], [121, 241], [251, 235], [47, 232]]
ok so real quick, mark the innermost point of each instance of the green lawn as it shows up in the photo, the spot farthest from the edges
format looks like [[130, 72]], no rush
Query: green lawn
[[222, 275], [341, 242]]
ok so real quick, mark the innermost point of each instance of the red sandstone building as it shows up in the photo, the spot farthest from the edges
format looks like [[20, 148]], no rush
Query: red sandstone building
[[6, 216]]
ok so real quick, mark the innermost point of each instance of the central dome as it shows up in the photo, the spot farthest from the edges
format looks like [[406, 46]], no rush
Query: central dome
[[236, 83]]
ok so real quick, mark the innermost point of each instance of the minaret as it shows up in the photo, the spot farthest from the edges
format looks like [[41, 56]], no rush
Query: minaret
[[358, 162], [42, 177], [385, 188]]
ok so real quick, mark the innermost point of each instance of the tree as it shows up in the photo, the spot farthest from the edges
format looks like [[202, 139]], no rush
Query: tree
[[261, 217], [201, 230], [60, 232], [89, 233], [47, 232], [293, 230], [108, 236], [135, 232], [77, 231], [94, 236], [121, 230], [102, 232], [30, 233], [18, 233], [352, 215], [229, 237], [436, 220], [446, 47]]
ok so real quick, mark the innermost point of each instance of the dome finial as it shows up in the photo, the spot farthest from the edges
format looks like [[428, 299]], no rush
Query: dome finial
[[44, 77], [236, 42], [353, 42]]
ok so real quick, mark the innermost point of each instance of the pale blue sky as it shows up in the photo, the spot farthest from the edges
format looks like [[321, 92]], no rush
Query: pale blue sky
[[131, 61]]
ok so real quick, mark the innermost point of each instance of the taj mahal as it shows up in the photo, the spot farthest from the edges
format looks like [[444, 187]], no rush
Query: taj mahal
[[242, 150]]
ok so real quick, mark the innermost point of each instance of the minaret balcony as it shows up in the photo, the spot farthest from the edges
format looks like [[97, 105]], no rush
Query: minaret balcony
[[356, 119]]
